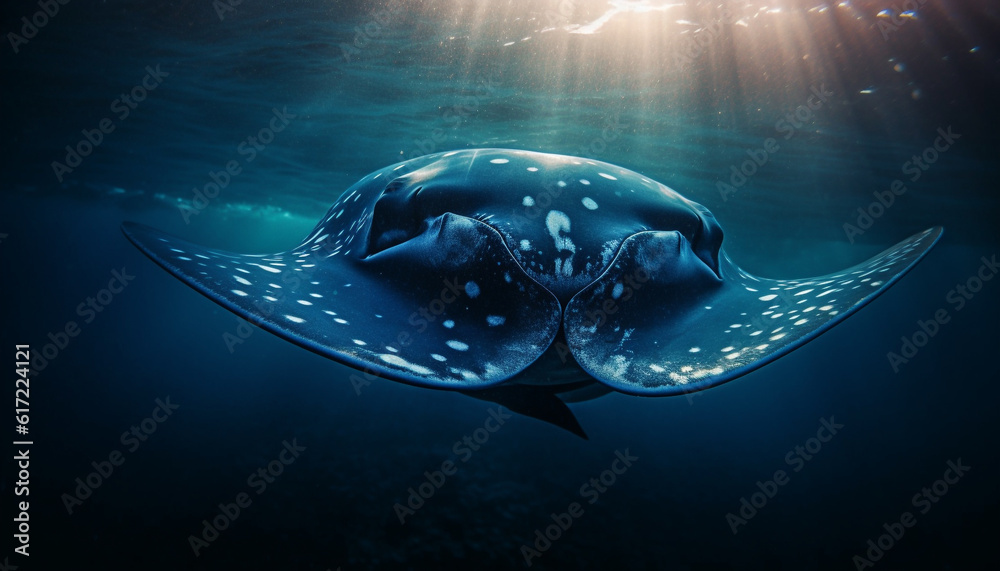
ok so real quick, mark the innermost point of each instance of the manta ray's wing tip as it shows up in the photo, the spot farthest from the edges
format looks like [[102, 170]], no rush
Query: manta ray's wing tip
[[142, 236]]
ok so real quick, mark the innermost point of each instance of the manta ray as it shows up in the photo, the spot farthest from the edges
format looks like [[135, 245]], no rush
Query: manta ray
[[527, 279]]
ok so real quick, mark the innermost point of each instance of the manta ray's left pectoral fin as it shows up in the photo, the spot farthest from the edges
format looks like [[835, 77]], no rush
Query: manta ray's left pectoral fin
[[659, 322], [447, 308]]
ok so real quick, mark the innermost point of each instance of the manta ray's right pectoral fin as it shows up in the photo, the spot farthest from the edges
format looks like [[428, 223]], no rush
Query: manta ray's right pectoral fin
[[678, 329]]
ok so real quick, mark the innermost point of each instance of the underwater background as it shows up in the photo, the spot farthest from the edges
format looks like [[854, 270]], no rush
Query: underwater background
[[151, 406]]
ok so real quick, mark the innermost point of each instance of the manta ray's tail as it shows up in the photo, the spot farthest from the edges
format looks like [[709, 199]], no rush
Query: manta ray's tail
[[537, 402]]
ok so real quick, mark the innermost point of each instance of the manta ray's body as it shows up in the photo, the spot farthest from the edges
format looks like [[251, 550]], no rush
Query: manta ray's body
[[528, 279]]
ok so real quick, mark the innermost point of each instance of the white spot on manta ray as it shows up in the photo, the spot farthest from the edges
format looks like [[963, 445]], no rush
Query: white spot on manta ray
[[495, 320], [557, 222], [528, 201], [500, 161], [472, 289], [589, 203], [456, 345], [466, 374], [448, 324], [404, 364], [617, 291], [526, 246]]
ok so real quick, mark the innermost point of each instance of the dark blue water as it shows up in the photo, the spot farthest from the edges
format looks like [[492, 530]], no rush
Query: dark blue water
[[683, 94]]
